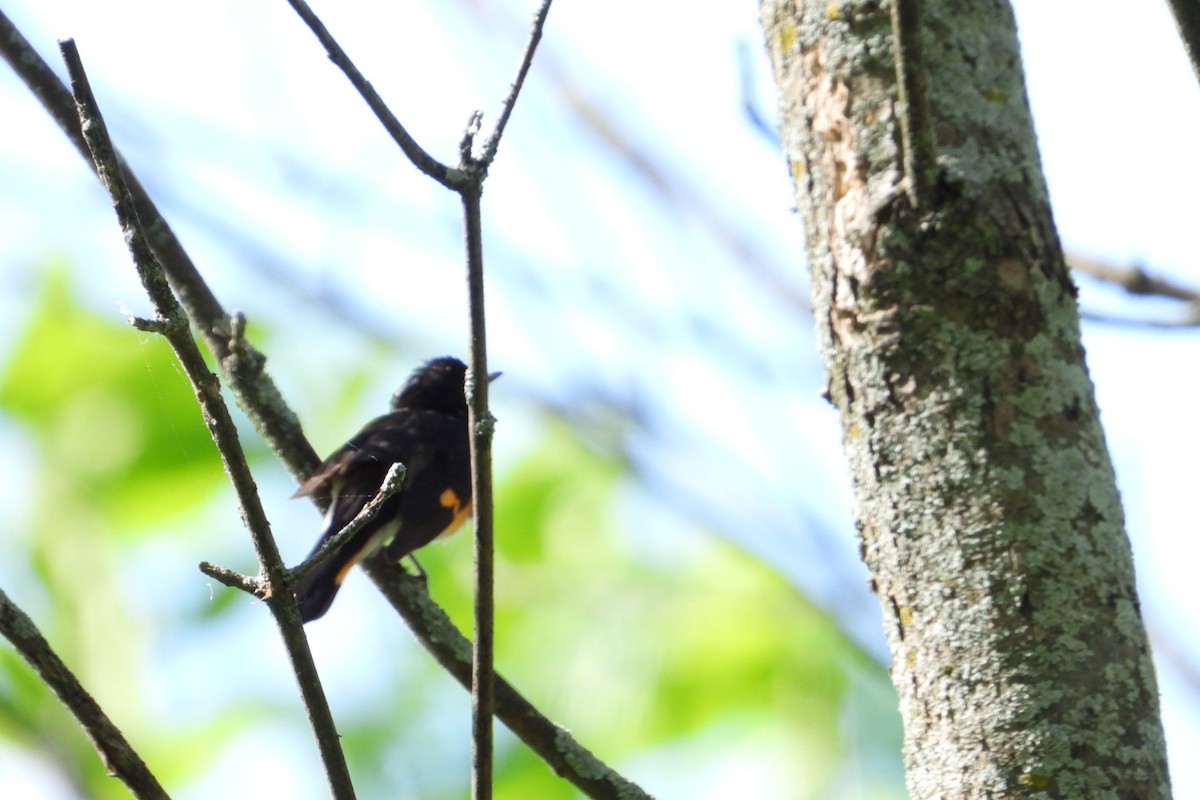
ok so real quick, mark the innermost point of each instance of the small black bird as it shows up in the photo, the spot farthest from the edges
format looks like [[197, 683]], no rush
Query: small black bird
[[427, 432]]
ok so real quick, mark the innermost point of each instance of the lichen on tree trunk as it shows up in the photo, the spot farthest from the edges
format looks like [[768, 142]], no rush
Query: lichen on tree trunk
[[986, 504]]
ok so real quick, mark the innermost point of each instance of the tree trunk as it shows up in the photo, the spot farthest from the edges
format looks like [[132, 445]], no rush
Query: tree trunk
[[985, 501]]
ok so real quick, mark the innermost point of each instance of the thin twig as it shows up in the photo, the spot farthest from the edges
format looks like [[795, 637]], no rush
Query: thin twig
[[1133, 278], [1137, 281], [420, 158], [235, 580], [216, 417], [119, 757], [148, 325], [392, 482], [555, 745], [535, 35], [674, 189], [244, 366], [466, 152]]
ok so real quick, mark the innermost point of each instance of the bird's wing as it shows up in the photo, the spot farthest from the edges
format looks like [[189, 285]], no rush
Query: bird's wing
[[382, 441]]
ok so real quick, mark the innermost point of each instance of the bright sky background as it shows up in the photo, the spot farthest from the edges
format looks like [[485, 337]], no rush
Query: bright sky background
[[224, 103]]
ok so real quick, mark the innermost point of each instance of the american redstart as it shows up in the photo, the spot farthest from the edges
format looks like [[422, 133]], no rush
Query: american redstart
[[426, 431]]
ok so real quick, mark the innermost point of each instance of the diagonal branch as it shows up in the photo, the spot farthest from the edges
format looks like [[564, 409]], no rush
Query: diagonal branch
[[174, 326], [393, 481], [420, 158], [1138, 281], [261, 589], [252, 387], [119, 757], [1133, 278], [535, 36]]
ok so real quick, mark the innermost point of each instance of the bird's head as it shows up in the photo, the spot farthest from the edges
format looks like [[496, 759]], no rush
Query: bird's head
[[437, 385]]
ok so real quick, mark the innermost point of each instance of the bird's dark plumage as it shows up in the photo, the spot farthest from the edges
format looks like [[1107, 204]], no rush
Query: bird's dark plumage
[[427, 432]]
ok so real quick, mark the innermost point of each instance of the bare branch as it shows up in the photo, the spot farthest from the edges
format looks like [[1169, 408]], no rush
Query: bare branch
[[535, 35], [673, 188], [1135, 280], [253, 388], [216, 418], [419, 157], [466, 147], [481, 424], [119, 757], [235, 580], [392, 482]]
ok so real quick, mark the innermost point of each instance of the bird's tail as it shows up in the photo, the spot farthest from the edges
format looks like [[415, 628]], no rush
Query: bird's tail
[[316, 590]]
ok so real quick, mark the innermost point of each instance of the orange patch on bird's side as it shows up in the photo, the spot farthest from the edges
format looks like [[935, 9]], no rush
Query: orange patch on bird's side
[[354, 559], [377, 540], [450, 500]]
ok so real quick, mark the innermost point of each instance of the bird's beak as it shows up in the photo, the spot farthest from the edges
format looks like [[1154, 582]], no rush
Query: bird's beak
[[493, 375]]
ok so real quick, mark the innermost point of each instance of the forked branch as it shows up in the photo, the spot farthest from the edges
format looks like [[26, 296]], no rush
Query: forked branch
[[242, 369]]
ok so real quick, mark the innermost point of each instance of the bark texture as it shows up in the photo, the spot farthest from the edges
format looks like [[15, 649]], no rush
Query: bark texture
[[985, 500]]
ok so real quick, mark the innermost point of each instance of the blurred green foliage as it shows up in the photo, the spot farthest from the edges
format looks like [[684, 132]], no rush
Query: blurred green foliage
[[112, 413], [122, 454], [692, 672]]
